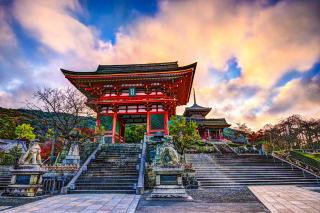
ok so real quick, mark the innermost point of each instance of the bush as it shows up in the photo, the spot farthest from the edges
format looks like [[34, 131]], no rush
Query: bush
[[309, 159], [7, 159]]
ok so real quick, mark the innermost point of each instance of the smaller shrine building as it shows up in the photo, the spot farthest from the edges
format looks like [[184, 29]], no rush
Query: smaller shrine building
[[210, 129]]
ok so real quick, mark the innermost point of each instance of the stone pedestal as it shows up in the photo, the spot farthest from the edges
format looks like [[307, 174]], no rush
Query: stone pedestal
[[26, 181], [72, 160], [169, 184], [73, 157]]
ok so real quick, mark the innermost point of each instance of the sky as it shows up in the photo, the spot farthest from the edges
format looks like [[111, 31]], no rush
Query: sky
[[258, 61]]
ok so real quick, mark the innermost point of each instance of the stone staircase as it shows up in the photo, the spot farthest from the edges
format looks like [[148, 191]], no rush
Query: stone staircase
[[113, 171], [230, 170], [5, 178]]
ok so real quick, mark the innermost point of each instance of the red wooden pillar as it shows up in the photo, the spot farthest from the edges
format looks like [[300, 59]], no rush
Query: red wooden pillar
[[98, 120], [114, 127], [148, 122], [166, 123], [122, 132]]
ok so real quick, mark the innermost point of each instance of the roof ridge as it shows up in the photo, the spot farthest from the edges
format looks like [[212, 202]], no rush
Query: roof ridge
[[173, 63]]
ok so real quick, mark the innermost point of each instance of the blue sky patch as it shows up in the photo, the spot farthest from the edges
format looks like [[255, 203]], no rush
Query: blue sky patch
[[109, 16], [233, 71]]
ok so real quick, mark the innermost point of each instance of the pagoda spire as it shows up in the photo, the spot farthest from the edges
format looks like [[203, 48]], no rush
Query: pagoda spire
[[194, 97]]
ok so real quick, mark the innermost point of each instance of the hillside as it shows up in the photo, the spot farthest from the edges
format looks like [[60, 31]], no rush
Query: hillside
[[10, 118]]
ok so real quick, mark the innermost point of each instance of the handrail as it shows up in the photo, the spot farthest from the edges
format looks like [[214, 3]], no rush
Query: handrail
[[216, 148], [46, 160], [234, 151], [301, 162], [140, 187], [303, 170], [71, 184]]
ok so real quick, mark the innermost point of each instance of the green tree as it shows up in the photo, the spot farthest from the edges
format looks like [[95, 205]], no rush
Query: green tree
[[7, 127], [16, 153], [134, 133], [49, 134], [184, 133], [25, 132]]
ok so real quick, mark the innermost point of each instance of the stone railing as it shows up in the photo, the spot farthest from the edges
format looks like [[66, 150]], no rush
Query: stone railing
[[84, 167], [292, 160], [53, 184], [60, 168], [303, 170], [140, 187]]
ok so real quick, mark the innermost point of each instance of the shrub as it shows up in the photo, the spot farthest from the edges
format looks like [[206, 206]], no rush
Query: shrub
[[7, 159]]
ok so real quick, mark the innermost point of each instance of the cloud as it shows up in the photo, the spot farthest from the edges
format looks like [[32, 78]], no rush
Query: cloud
[[298, 96], [266, 42]]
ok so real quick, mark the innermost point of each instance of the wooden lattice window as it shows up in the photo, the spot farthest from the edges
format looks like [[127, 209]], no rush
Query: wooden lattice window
[[157, 121]]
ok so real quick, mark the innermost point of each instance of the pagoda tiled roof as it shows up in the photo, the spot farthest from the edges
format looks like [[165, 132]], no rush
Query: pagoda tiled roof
[[195, 108], [221, 122]]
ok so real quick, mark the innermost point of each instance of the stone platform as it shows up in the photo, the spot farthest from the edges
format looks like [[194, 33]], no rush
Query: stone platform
[[118, 203], [287, 198]]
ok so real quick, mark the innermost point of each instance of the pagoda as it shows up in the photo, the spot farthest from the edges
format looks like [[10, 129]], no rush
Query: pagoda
[[210, 129], [134, 94]]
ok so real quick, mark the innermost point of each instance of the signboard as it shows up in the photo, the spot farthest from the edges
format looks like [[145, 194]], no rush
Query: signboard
[[132, 91]]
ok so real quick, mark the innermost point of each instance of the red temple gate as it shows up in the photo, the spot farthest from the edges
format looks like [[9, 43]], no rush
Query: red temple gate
[[135, 93]]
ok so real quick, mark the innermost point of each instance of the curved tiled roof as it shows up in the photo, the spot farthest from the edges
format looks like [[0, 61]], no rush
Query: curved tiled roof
[[211, 122]]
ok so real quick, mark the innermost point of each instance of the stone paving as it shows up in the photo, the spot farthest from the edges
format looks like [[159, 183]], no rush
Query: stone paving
[[198, 207], [287, 198], [113, 203]]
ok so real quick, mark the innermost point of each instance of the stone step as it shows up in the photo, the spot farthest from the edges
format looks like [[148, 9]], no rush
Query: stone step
[[221, 167], [5, 178], [105, 187], [304, 184], [265, 180], [114, 172], [110, 166], [250, 176], [244, 167], [249, 171], [128, 150], [110, 176], [113, 154], [106, 175], [103, 180], [102, 191], [112, 169], [113, 161], [205, 180], [105, 184]]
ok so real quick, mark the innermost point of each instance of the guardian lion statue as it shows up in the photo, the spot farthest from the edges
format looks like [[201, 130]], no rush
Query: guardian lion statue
[[32, 156]]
